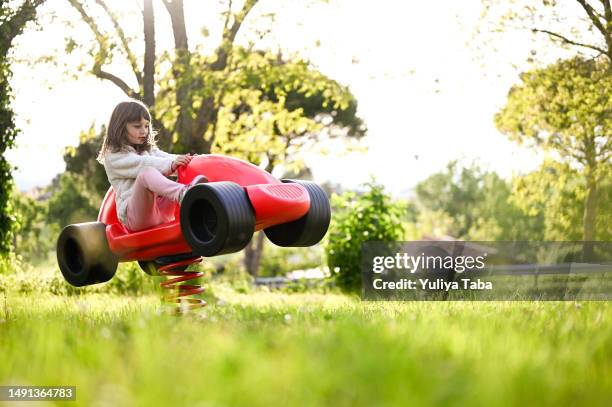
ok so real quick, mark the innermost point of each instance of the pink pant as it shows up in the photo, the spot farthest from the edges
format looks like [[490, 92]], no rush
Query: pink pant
[[153, 200]]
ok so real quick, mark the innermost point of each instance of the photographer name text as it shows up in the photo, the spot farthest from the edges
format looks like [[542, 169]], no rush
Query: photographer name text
[[438, 284]]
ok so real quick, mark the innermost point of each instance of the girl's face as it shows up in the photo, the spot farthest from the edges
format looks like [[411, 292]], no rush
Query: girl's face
[[138, 132]]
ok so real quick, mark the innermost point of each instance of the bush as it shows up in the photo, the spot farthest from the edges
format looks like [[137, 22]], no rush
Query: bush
[[129, 280], [34, 236], [356, 219], [11, 263]]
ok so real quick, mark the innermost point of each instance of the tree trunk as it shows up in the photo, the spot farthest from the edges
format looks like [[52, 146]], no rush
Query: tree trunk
[[149, 56], [206, 116], [253, 253], [183, 75]]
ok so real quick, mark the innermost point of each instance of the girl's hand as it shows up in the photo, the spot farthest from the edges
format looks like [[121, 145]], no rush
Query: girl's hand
[[181, 160]]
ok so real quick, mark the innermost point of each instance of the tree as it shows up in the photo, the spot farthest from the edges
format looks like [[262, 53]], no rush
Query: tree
[[582, 25], [12, 23], [197, 88], [73, 196], [556, 192], [71, 203], [34, 236], [81, 160], [566, 108], [76, 194], [473, 204], [455, 191]]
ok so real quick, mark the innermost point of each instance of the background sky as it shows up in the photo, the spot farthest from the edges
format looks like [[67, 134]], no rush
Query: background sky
[[425, 92]]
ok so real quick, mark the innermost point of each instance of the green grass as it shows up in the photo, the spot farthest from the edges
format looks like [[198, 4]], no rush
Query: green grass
[[264, 349]]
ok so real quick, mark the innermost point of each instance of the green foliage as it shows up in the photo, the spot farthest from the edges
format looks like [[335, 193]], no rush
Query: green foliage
[[75, 196], [466, 202], [556, 192], [8, 132], [46, 278], [34, 235], [82, 160], [356, 219], [7, 136], [266, 107], [11, 263], [130, 279], [12, 23], [567, 108], [71, 202], [582, 27], [546, 204]]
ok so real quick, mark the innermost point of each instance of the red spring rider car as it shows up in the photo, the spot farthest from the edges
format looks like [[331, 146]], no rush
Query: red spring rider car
[[214, 218]]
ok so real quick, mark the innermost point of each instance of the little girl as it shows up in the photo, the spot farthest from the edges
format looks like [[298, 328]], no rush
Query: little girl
[[137, 169]]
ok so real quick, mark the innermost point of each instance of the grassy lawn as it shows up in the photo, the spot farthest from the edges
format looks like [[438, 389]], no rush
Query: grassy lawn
[[263, 349]]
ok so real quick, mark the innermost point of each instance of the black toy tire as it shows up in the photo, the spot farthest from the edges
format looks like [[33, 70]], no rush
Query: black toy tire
[[310, 228], [217, 218], [83, 254]]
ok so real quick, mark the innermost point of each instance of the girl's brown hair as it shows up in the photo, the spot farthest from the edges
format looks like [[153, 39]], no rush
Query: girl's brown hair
[[116, 133]]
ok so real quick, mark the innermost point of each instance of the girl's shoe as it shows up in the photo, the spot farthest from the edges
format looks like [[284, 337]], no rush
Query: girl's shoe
[[198, 179]]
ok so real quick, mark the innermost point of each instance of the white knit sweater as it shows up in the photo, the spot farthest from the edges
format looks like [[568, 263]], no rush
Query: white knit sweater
[[123, 167]]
